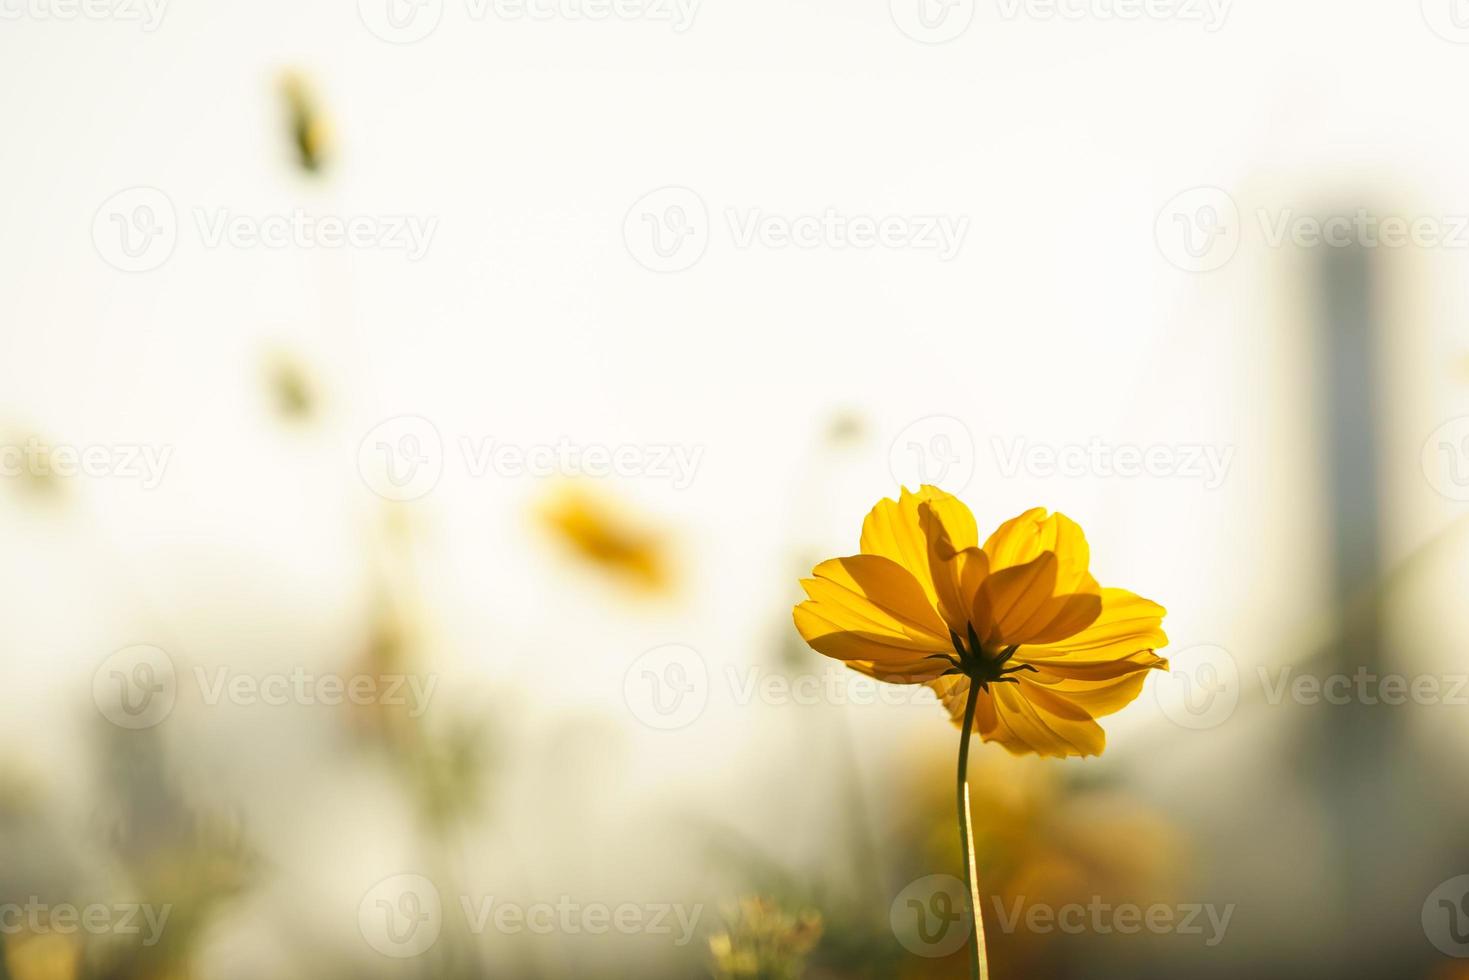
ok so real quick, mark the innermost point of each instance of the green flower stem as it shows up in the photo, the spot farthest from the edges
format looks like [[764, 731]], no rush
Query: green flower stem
[[978, 961]]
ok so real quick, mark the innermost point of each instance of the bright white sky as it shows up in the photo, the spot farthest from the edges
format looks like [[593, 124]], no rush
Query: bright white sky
[[529, 319]]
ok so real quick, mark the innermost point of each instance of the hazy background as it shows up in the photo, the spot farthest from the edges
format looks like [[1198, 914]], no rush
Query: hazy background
[[1114, 185]]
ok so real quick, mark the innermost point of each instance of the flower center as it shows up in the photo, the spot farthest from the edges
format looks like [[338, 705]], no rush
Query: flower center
[[981, 666]]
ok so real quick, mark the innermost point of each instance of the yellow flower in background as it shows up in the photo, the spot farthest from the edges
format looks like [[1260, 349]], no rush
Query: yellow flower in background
[[1021, 618], [310, 135], [42, 956], [604, 535], [764, 942]]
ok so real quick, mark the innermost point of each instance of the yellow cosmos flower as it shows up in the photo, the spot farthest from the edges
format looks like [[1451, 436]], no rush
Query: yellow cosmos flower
[[600, 532], [1021, 617]]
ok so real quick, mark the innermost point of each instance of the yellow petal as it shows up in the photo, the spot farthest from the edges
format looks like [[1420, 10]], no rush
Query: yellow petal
[[871, 612], [1102, 667], [1128, 624], [957, 574], [894, 529], [1020, 605], [1023, 539], [1024, 719]]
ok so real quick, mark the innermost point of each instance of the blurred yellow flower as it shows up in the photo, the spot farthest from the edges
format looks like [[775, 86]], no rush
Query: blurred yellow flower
[[310, 135], [42, 956], [763, 942], [1021, 619], [601, 533]]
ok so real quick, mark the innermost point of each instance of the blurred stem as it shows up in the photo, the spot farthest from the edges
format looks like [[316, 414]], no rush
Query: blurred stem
[[979, 967]]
